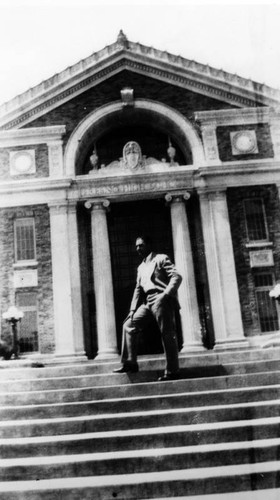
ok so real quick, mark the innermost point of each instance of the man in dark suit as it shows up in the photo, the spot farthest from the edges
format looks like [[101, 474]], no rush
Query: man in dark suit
[[154, 296]]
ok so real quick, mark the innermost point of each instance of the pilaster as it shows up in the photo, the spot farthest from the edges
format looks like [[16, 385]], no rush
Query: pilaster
[[223, 286], [210, 143], [55, 158], [275, 136]]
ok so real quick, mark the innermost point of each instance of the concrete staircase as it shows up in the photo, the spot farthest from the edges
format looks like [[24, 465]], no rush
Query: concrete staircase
[[81, 432]]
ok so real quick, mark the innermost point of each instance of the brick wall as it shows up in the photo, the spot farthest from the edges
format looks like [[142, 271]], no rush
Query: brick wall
[[263, 136], [72, 112], [44, 289], [245, 275]]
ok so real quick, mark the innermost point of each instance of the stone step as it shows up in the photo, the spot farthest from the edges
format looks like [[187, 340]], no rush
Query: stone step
[[270, 494], [81, 432], [170, 484], [127, 390], [143, 438], [146, 424], [110, 379], [33, 401], [139, 460], [13, 369]]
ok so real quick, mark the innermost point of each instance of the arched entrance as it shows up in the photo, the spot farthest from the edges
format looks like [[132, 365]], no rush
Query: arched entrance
[[137, 199], [144, 113]]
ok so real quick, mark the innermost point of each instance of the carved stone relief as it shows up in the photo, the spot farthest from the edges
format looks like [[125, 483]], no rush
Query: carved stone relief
[[132, 161]]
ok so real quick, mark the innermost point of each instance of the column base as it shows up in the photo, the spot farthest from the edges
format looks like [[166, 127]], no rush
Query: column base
[[108, 354], [195, 347], [234, 343], [71, 357]]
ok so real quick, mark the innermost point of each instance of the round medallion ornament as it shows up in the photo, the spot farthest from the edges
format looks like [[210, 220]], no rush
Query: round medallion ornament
[[244, 142], [22, 162]]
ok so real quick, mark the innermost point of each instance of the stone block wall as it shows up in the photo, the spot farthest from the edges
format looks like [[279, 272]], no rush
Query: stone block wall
[[44, 268], [245, 274]]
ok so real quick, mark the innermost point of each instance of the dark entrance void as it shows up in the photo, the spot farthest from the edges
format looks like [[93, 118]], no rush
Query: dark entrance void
[[125, 222]]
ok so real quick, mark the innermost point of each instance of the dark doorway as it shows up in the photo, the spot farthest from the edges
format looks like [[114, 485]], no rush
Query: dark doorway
[[125, 222]]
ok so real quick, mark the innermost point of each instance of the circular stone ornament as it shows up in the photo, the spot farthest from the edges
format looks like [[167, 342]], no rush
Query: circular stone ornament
[[22, 162], [245, 142]]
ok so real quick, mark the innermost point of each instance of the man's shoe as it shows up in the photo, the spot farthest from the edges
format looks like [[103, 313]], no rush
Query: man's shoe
[[127, 369], [8, 354], [169, 376]]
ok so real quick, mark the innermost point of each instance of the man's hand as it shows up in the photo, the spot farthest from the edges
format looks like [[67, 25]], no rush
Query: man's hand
[[159, 300], [131, 314]]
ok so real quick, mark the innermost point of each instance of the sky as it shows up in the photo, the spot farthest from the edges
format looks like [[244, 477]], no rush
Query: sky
[[41, 38]]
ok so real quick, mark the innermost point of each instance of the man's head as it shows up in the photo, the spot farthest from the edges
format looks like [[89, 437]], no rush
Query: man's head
[[143, 246]]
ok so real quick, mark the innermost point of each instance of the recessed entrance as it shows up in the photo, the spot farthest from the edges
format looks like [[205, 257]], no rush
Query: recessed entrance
[[125, 222]]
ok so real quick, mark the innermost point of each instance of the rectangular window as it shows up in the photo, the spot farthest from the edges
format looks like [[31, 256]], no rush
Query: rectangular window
[[28, 326], [255, 216], [25, 239], [267, 307]]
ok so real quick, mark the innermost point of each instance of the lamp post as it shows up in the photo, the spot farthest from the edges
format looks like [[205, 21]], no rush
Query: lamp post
[[13, 316], [275, 293]]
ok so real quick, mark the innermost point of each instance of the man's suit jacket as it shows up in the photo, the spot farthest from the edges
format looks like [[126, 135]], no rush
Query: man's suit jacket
[[164, 277]]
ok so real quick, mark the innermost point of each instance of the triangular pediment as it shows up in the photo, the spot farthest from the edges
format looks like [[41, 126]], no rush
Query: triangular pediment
[[123, 55]]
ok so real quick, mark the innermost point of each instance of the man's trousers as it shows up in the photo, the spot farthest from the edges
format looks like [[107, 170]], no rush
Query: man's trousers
[[164, 314]]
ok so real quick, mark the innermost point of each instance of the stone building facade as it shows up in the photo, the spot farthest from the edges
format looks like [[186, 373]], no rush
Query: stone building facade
[[134, 140]]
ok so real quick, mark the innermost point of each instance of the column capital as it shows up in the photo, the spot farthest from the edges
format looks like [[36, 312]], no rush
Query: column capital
[[58, 207], [214, 192], [209, 125], [177, 196], [97, 204], [72, 206]]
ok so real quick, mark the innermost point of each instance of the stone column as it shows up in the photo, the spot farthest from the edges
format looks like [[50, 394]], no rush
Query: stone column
[[103, 282], [67, 324], [223, 286], [75, 276], [191, 328]]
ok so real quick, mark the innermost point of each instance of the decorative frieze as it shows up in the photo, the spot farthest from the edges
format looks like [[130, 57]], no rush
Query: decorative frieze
[[131, 188]]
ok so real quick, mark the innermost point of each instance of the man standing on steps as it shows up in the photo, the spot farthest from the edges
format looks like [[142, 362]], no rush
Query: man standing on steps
[[154, 296]]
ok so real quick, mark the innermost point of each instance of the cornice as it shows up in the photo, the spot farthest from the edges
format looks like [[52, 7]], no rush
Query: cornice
[[34, 185], [35, 135], [238, 116], [257, 168], [136, 57]]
